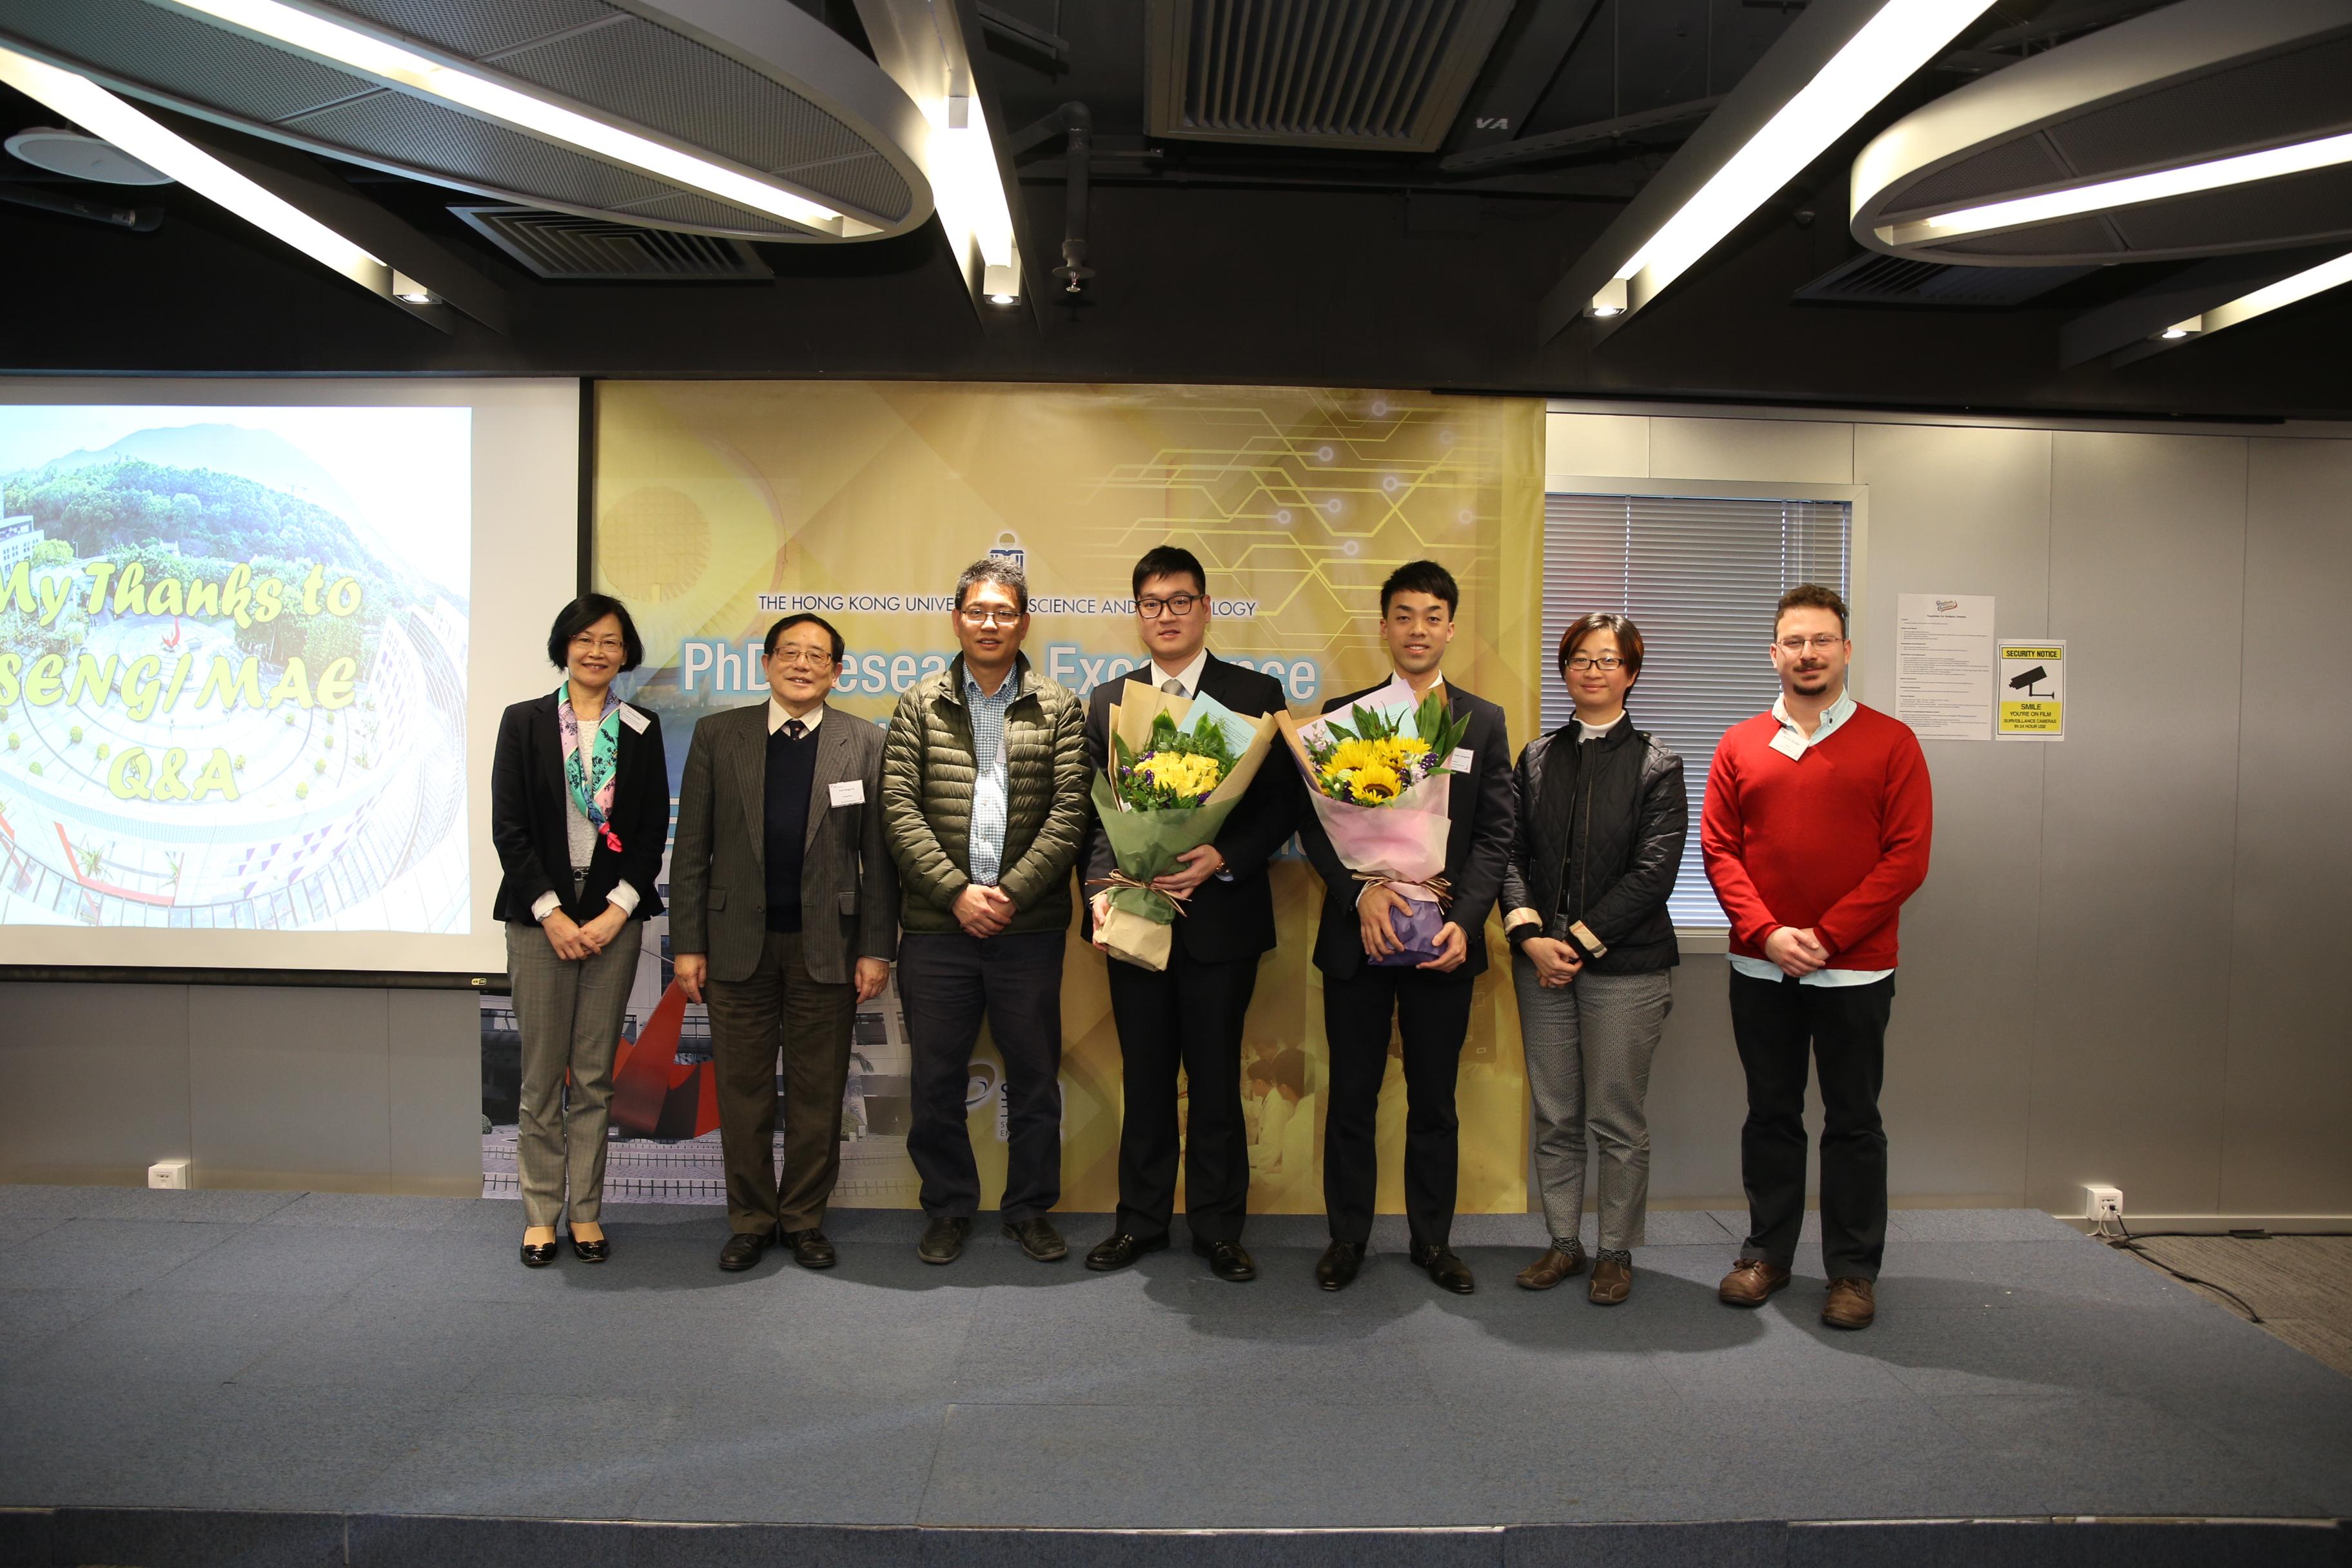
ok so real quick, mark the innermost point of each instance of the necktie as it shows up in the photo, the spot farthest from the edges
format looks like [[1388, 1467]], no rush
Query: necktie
[[795, 728], [1173, 686]]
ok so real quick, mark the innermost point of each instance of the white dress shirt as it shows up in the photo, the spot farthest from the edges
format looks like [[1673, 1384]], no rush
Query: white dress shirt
[[778, 718], [1189, 678]]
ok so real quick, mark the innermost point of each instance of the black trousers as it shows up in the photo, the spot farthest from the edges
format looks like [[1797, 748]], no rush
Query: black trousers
[[949, 982], [1189, 1015], [1778, 1025], [1432, 1012]]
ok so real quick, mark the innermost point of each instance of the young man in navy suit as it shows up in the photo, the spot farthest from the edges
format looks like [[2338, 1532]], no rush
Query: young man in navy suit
[[1429, 1002], [1189, 1015]]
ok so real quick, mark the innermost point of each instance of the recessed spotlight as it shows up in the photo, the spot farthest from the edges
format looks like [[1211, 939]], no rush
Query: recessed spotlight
[[1004, 299], [1608, 309], [409, 290], [2171, 334]]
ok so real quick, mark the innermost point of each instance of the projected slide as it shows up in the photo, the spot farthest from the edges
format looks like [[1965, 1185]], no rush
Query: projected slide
[[233, 667]]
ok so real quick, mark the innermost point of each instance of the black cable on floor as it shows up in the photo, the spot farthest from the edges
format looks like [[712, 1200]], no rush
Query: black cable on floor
[[2131, 1244]]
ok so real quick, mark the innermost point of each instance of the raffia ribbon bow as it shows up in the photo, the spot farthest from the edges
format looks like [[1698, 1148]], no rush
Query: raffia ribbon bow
[[1121, 879], [1436, 885]]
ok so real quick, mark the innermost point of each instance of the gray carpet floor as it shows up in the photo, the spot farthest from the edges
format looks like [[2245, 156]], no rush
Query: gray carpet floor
[[262, 1350]]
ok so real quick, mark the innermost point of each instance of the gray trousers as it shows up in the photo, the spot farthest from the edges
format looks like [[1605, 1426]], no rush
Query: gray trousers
[[569, 1013], [1588, 1049]]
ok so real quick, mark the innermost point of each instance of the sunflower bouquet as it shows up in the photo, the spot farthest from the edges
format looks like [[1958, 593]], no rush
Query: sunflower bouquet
[[1179, 766], [1376, 772]]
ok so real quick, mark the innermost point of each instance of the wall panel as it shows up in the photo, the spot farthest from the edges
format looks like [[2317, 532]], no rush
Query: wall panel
[[2289, 1073], [2148, 549]]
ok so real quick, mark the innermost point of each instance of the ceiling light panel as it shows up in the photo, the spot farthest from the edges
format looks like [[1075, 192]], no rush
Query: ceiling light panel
[[343, 44], [706, 116], [2200, 128], [104, 114], [1890, 44]]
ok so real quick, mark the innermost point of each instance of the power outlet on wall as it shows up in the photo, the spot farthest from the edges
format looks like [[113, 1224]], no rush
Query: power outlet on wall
[[2104, 1205], [170, 1174]]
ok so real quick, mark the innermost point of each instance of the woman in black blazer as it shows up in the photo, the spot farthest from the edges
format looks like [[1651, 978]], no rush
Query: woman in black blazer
[[579, 811]]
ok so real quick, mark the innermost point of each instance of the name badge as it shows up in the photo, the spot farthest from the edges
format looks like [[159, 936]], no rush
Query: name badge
[[847, 792], [1460, 761], [632, 719]]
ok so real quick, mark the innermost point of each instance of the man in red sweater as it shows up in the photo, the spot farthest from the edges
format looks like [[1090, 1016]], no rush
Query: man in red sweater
[[1815, 830]]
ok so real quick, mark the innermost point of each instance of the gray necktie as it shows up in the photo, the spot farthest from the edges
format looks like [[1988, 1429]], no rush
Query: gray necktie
[[1173, 686]]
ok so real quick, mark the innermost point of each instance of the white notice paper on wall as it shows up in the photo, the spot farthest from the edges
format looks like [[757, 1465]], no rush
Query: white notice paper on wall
[[1943, 666]]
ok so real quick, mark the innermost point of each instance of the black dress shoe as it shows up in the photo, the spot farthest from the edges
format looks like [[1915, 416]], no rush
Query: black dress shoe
[[1226, 1259], [811, 1249], [592, 1251], [943, 1240], [744, 1249], [1336, 1269], [1038, 1238], [1120, 1250], [1445, 1269], [538, 1256]]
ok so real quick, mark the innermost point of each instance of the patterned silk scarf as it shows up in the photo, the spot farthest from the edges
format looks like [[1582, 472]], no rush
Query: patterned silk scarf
[[591, 777]]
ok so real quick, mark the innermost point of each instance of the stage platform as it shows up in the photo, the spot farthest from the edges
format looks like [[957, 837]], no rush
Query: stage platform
[[311, 1379]]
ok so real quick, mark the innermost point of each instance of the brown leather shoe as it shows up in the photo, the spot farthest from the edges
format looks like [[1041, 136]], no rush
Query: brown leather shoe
[[1553, 1267], [1750, 1280], [1852, 1304], [1612, 1278]]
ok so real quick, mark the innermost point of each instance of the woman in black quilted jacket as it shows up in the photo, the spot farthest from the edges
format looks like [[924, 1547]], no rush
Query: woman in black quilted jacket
[[1601, 821]]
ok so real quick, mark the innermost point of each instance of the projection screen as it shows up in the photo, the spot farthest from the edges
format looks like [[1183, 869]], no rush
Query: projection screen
[[255, 640]]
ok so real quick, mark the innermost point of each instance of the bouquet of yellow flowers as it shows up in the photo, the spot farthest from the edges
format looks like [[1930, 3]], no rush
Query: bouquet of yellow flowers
[[1376, 772], [1179, 766]]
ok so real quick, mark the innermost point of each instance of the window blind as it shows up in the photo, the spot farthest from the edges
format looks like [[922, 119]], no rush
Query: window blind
[[1699, 576]]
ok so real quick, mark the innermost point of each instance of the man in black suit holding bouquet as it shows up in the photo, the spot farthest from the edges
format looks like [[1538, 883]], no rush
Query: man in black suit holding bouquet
[[1190, 1014], [1428, 1002]]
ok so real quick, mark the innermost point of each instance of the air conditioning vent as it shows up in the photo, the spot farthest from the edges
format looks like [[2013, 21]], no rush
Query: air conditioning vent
[[1871, 278], [1317, 73], [566, 250]]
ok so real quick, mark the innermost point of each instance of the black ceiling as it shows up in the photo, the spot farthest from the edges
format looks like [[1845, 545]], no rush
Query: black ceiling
[[1217, 262]]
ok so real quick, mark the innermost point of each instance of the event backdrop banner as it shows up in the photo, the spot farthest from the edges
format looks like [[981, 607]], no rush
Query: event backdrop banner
[[722, 506]]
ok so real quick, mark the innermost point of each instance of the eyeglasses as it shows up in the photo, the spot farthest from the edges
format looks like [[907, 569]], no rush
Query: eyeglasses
[[799, 658], [1178, 605], [1581, 662], [976, 617], [1797, 646], [584, 643]]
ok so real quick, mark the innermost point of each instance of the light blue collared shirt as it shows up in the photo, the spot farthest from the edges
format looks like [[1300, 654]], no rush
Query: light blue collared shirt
[[992, 780], [1793, 743]]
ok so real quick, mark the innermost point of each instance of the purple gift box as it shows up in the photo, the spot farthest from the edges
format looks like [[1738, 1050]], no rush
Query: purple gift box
[[1416, 926]]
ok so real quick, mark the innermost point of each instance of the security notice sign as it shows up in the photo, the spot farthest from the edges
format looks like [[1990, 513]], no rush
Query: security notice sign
[[2031, 698]]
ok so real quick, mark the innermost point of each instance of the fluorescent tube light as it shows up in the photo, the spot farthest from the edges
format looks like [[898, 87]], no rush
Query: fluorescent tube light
[[330, 41], [1904, 36], [2270, 297], [103, 114], [2244, 168]]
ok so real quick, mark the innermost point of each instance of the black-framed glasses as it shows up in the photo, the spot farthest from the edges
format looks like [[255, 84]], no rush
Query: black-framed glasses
[[974, 615], [1173, 604], [1581, 662]]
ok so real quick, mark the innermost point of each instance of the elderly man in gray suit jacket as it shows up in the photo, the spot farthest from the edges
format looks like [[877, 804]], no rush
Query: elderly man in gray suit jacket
[[783, 918]]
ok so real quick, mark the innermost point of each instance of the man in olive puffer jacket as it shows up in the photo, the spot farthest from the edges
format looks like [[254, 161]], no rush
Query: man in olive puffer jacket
[[985, 806]]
